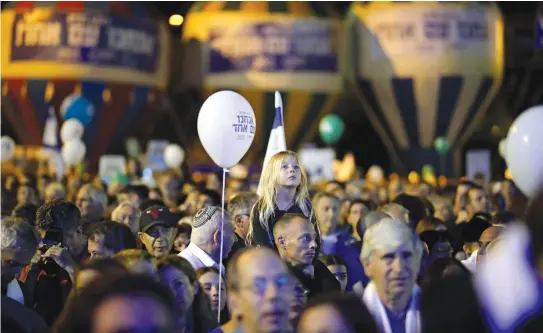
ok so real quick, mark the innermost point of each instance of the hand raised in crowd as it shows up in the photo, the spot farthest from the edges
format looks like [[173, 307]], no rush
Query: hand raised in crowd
[[62, 258]]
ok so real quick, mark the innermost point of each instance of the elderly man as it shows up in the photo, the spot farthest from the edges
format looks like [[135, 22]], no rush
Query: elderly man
[[207, 239], [92, 203], [391, 255], [54, 191], [19, 241], [396, 211], [295, 238], [239, 208], [158, 230], [260, 291], [128, 214]]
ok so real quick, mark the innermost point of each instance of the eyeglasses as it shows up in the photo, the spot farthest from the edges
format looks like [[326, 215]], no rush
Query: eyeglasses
[[260, 285]]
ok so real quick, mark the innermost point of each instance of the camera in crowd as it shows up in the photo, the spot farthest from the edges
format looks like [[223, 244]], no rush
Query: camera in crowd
[[53, 237]]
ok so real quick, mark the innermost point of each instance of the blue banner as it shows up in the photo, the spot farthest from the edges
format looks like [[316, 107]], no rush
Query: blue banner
[[87, 38], [301, 45]]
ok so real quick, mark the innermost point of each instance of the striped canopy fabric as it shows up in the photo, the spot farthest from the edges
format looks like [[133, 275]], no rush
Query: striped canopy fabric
[[308, 93], [424, 70]]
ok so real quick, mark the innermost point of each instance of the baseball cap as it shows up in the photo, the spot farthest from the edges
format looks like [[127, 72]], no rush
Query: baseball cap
[[157, 215]]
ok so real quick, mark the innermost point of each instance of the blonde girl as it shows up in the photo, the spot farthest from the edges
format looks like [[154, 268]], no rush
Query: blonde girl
[[284, 190]]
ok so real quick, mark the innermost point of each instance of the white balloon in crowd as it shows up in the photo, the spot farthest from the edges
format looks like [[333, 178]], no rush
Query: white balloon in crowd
[[502, 148], [73, 152], [8, 148], [71, 129], [525, 151], [376, 174], [226, 127], [174, 155]]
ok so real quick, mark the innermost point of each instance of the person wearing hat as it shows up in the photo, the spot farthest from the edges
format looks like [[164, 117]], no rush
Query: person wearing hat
[[158, 228], [208, 234]]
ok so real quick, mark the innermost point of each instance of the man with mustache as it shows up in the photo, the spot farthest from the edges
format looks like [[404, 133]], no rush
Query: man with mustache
[[391, 254], [296, 241]]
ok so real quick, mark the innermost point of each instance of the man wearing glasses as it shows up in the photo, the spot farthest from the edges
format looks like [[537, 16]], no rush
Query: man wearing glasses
[[239, 208], [296, 241], [260, 291]]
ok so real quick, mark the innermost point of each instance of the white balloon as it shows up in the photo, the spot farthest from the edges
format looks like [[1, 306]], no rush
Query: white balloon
[[8, 148], [73, 152], [525, 151], [376, 174], [226, 127], [71, 129], [502, 148], [174, 155]]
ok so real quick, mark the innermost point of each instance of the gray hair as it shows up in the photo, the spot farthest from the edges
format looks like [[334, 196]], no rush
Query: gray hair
[[18, 235], [242, 203], [206, 222], [373, 218], [389, 233], [96, 194], [393, 209], [123, 204]]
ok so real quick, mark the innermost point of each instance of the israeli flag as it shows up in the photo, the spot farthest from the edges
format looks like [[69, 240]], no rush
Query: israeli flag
[[51, 143], [277, 142]]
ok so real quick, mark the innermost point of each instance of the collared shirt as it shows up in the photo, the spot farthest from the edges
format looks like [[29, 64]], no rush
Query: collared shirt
[[15, 292], [198, 258]]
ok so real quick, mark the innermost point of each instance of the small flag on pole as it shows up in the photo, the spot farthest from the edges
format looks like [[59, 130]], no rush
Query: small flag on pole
[[277, 142], [51, 143]]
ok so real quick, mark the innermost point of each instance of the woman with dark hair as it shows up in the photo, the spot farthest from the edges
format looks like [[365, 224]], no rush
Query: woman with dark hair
[[439, 243], [336, 313], [145, 305], [337, 266], [356, 212], [194, 313], [209, 278]]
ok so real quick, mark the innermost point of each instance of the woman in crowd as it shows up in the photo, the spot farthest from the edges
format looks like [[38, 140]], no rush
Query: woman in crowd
[[284, 190], [337, 266], [194, 313], [209, 278], [336, 313], [357, 211]]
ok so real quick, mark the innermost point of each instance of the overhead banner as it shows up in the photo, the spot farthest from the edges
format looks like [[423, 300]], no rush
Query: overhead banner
[[431, 31], [305, 45], [88, 38]]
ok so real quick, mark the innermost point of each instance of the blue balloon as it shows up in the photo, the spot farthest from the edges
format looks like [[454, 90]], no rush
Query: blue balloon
[[78, 107]]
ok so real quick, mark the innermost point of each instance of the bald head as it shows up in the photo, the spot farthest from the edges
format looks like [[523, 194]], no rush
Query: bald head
[[490, 234], [251, 259], [396, 211]]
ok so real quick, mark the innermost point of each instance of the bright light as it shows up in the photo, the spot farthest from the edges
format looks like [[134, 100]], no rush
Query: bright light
[[176, 20]]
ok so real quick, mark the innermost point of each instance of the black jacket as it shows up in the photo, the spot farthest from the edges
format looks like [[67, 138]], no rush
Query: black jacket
[[263, 238], [322, 282], [19, 318]]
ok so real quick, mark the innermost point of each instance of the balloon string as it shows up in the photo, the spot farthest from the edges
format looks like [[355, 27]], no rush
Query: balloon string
[[224, 172]]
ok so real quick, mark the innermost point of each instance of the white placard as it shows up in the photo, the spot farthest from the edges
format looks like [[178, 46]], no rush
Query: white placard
[[110, 165], [155, 155], [317, 163], [478, 161]]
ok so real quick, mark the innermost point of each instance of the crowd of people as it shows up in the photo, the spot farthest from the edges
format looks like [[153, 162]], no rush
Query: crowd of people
[[81, 256]]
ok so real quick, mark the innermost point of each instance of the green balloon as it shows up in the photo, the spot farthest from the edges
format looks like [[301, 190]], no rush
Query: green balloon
[[331, 128], [441, 145]]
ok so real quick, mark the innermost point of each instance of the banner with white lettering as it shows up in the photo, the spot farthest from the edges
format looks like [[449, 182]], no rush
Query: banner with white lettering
[[89, 38], [430, 31], [298, 45]]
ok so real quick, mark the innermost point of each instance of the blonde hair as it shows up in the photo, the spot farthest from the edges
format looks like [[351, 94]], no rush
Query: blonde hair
[[270, 179]]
